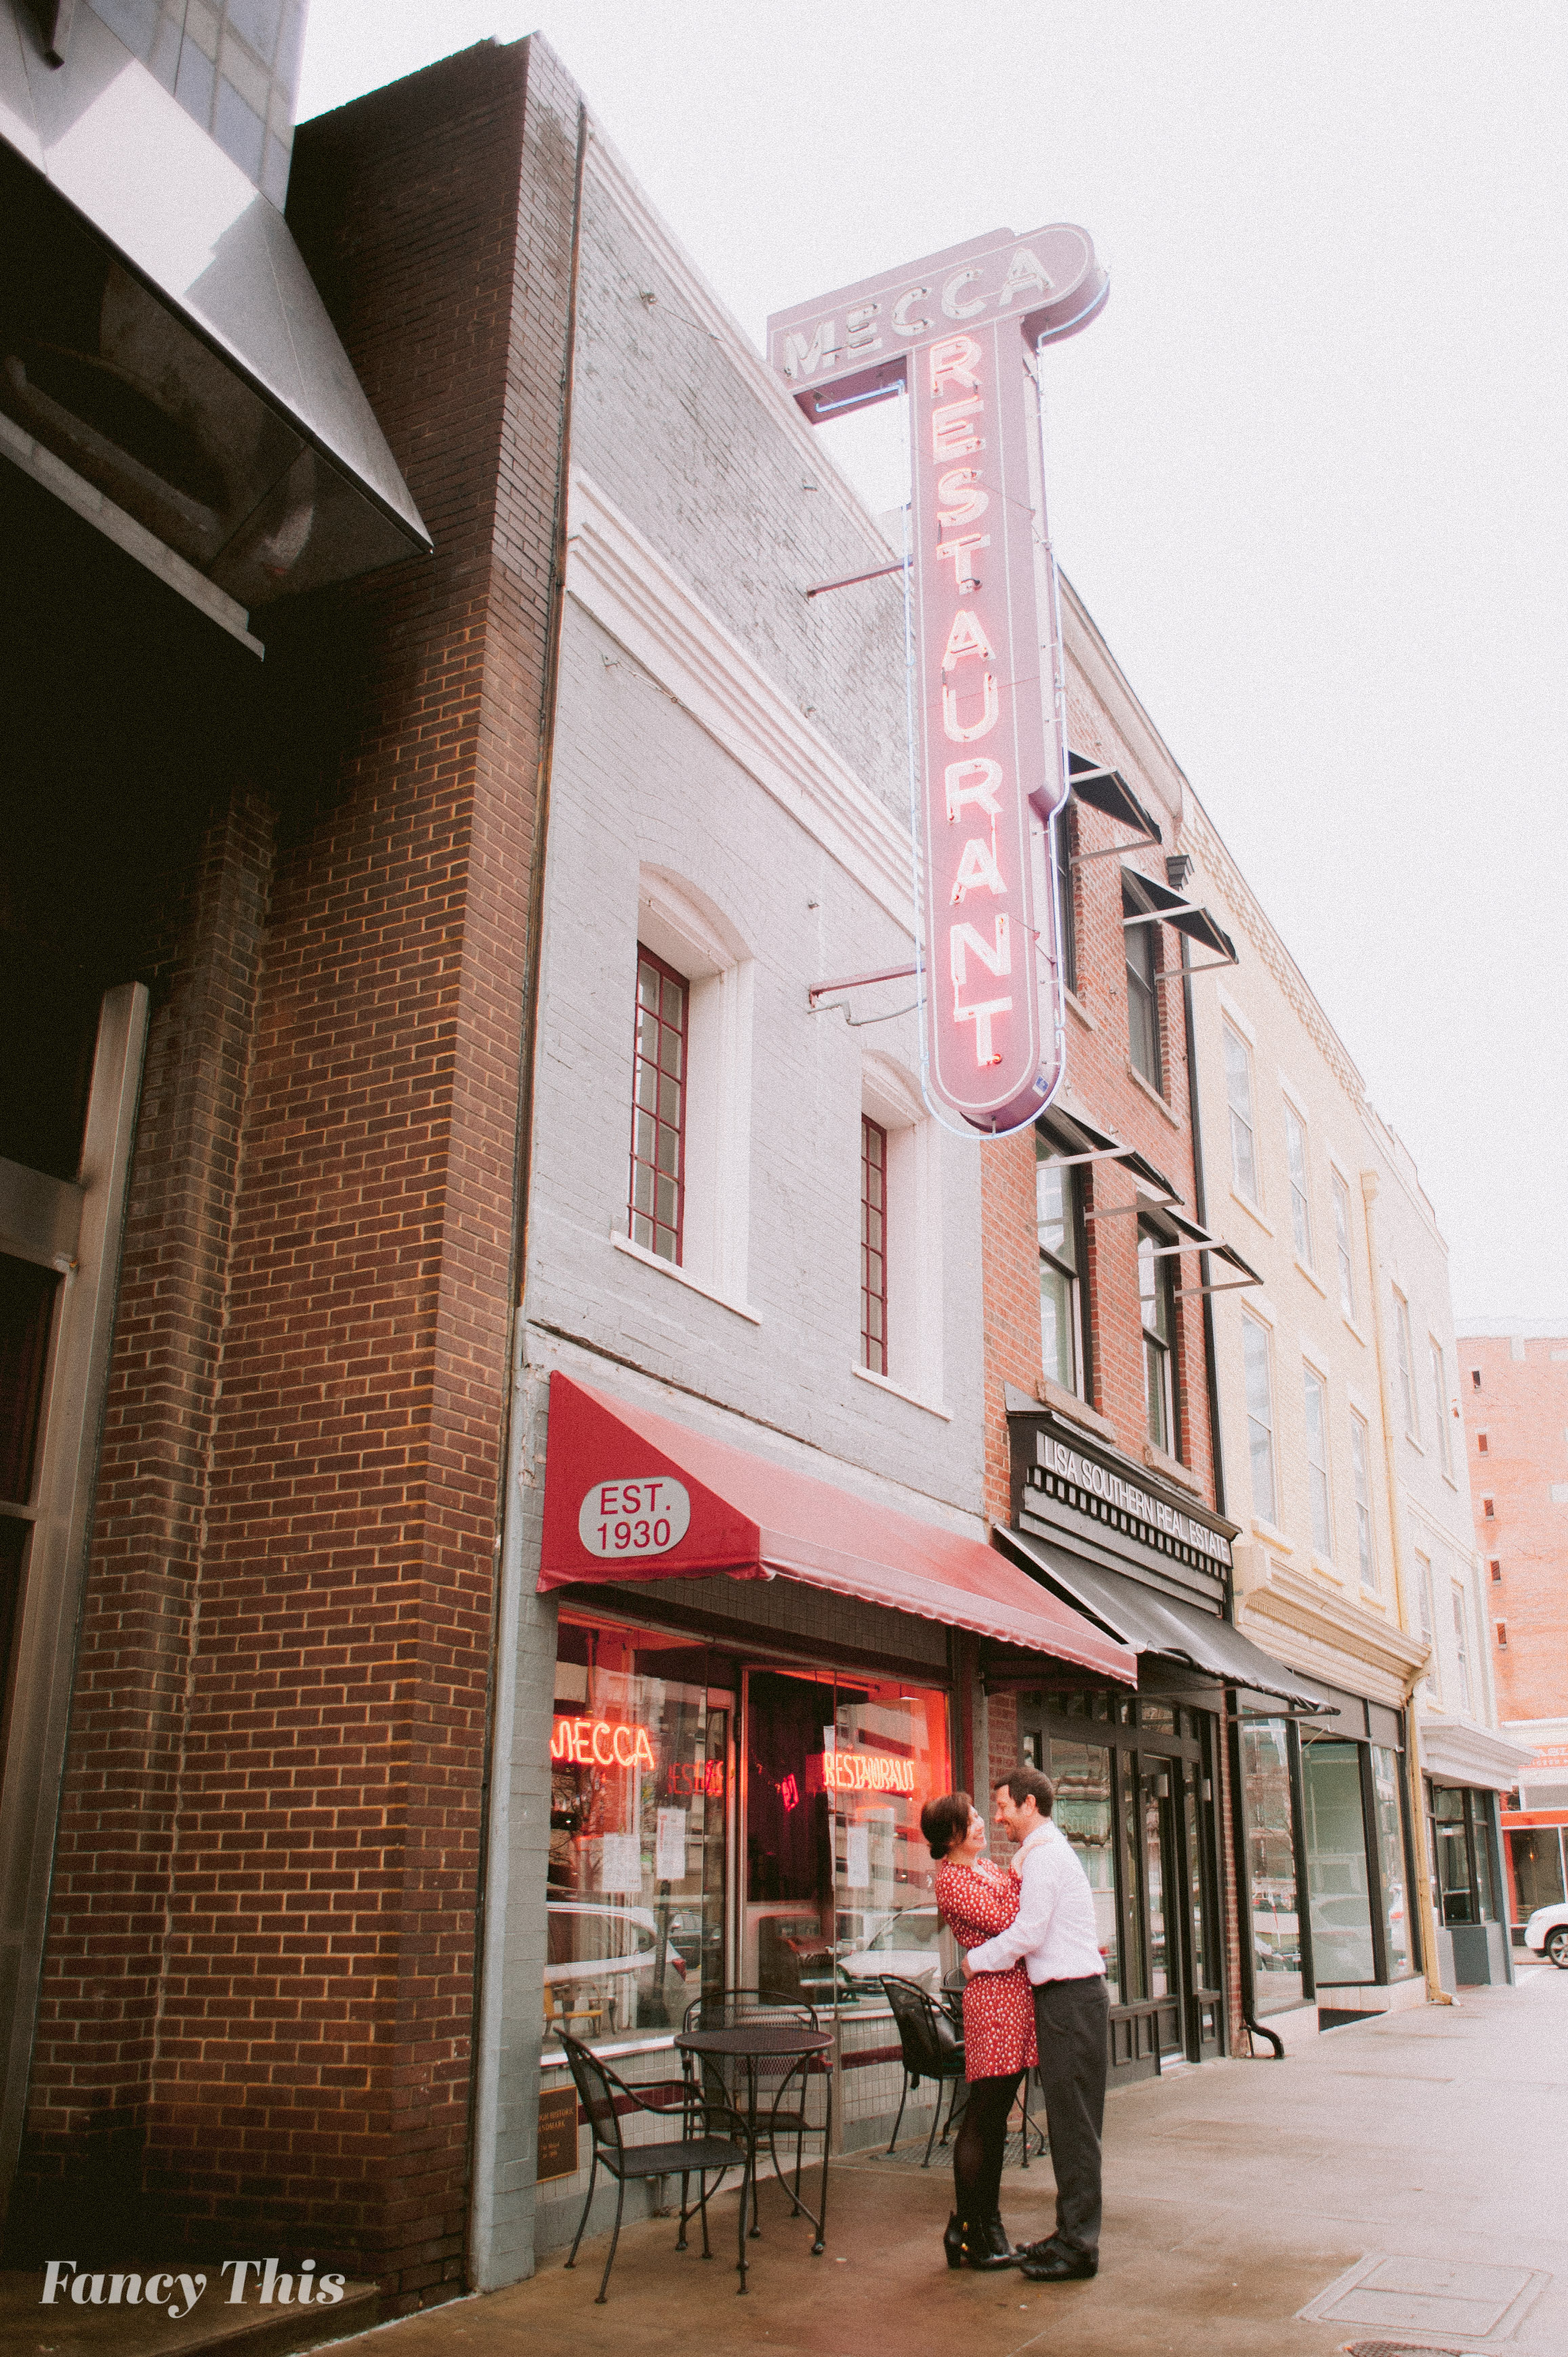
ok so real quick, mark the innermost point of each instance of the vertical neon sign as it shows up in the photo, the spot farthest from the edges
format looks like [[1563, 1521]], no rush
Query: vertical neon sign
[[961, 333]]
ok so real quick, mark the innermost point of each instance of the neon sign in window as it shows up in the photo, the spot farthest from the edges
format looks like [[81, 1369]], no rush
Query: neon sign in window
[[597, 1743], [866, 1771]]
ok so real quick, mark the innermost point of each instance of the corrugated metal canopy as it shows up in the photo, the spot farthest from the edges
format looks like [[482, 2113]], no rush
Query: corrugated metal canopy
[[160, 333]]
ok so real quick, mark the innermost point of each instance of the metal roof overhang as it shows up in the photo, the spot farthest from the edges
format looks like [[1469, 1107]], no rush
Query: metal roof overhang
[[1085, 1142], [1108, 790], [161, 335], [1175, 909], [752, 1520], [1150, 1623]]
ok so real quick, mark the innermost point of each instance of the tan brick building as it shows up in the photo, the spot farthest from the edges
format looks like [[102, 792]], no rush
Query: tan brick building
[[1513, 1386]]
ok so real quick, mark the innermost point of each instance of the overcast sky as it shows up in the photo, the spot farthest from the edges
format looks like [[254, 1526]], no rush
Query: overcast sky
[[1308, 468]]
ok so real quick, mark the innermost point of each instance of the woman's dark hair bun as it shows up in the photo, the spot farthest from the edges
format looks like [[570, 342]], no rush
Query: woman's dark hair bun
[[944, 1820]]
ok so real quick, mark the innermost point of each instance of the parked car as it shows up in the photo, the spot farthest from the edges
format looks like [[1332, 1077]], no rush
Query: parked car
[[909, 1944], [1546, 1935], [600, 1969]]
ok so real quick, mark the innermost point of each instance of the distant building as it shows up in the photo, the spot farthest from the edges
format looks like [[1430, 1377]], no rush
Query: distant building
[[1513, 1386]]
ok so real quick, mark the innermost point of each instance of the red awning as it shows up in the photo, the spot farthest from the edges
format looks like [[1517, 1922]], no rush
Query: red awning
[[630, 1496]]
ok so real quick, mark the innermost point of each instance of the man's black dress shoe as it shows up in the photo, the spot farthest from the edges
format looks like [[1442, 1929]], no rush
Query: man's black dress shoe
[[1052, 2262]]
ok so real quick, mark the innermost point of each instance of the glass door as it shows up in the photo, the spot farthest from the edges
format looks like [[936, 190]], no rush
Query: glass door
[[1160, 1782]]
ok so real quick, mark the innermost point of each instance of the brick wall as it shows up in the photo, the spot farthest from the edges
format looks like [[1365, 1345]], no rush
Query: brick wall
[[1521, 1407], [259, 1974], [1100, 1080]]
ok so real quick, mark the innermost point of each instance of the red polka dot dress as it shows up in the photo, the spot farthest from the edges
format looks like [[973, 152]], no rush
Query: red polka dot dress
[[977, 1901]]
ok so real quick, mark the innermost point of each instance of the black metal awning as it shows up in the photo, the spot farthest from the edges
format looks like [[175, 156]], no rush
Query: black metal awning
[[1084, 1143], [1151, 1623], [1157, 900], [1107, 791]]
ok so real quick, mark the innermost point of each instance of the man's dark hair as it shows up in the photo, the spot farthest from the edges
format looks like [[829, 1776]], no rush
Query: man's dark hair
[[944, 1820], [1022, 1782]]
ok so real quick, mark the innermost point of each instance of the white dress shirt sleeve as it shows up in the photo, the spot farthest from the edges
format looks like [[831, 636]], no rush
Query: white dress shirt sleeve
[[1028, 1929]]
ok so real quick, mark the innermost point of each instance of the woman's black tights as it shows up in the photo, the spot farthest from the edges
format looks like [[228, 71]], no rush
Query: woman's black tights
[[981, 2145]]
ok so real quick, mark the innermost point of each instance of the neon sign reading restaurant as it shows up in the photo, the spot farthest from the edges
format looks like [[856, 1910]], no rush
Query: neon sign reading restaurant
[[866, 1771], [961, 333]]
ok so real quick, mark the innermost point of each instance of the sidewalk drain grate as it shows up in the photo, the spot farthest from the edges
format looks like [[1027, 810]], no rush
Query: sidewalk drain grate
[[1397, 2348]]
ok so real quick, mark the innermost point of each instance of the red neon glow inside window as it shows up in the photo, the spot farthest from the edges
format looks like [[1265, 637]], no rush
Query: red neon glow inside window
[[873, 1247], [659, 1109]]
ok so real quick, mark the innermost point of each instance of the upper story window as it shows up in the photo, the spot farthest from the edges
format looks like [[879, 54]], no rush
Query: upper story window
[[1428, 1624], [1475, 1379], [873, 1246], [1316, 1410], [1239, 1098], [1143, 996], [1056, 1219], [1157, 1311], [1440, 1407], [1062, 836], [1300, 1201], [1406, 1367], [1462, 1646], [1482, 1445], [1361, 1482], [1259, 1413], [658, 1108], [1342, 1246]]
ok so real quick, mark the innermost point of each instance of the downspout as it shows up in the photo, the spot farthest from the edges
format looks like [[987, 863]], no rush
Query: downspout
[[1435, 1992], [1249, 2023]]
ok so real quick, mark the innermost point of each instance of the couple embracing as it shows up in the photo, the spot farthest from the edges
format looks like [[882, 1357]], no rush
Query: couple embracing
[[1035, 1995]]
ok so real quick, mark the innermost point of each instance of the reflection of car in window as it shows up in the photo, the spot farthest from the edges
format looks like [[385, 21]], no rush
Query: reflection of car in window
[[1546, 1935], [908, 1943], [601, 1967]]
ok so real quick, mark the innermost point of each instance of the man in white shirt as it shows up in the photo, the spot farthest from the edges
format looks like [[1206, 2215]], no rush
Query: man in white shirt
[[1054, 1934]]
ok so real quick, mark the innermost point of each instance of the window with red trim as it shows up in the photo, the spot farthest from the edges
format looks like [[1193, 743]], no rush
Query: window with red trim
[[873, 1247], [658, 1108]]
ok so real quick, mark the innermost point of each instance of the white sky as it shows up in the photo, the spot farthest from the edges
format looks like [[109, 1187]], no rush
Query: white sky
[[1308, 468]]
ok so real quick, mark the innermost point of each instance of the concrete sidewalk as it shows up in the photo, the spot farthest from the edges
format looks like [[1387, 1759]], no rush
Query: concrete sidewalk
[[1406, 2179], [1237, 2194]]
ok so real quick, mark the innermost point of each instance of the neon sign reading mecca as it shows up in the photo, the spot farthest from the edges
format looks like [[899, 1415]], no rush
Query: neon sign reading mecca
[[597, 1743], [961, 333]]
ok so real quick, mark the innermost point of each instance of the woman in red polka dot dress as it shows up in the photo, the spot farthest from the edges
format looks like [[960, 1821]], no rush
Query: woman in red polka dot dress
[[977, 1900]]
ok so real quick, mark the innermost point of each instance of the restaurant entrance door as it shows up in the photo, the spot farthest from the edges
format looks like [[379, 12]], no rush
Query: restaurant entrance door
[[1134, 1796]]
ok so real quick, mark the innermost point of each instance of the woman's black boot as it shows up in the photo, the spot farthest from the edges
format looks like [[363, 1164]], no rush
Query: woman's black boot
[[953, 2241], [978, 2247], [997, 2240]]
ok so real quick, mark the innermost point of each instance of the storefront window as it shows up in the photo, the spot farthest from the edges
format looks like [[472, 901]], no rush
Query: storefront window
[[1451, 1855], [1271, 1852], [1537, 1853], [1341, 1914], [838, 1880], [1081, 1772], [638, 1784], [1391, 1858]]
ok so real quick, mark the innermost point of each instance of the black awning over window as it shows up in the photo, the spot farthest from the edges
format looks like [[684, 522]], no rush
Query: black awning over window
[[1107, 791], [1150, 1623], [1173, 908]]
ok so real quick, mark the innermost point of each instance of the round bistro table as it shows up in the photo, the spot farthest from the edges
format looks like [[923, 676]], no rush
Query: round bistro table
[[751, 2043]]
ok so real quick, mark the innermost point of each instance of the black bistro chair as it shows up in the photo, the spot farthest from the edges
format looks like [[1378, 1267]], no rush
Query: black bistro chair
[[952, 1997], [784, 2082], [932, 2049], [699, 2155]]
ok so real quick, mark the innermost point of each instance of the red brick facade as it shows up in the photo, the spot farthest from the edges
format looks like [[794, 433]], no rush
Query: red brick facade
[[1520, 1410], [259, 1984]]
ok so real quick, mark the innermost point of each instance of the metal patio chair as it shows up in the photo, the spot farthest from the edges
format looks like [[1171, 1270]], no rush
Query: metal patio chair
[[952, 1997], [932, 2049], [602, 2095], [783, 2085]]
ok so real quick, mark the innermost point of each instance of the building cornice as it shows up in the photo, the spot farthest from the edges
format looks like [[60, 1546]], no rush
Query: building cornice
[[1289, 1604], [692, 296], [620, 579], [1471, 1754]]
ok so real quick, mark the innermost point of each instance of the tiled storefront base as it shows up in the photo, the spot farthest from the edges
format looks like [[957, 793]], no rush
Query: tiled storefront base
[[1301, 2024]]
